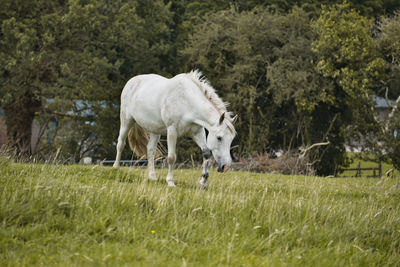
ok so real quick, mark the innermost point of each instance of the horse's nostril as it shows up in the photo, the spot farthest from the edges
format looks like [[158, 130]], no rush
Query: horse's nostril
[[221, 168]]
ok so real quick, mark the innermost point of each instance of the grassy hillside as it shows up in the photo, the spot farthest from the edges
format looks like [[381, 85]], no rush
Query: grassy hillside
[[90, 215]]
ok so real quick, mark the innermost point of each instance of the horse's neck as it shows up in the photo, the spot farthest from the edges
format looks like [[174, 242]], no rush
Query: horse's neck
[[208, 113]]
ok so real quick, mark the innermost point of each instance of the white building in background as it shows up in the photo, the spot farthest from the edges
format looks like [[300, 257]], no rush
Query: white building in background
[[382, 107]]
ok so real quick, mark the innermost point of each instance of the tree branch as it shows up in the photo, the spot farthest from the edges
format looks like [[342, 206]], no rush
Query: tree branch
[[302, 155]]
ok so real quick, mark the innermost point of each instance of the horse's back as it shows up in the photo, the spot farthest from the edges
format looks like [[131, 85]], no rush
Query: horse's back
[[141, 85], [142, 99], [144, 80]]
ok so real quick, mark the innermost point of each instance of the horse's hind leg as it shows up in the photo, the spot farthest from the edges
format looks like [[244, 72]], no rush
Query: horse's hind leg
[[151, 152], [123, 133]]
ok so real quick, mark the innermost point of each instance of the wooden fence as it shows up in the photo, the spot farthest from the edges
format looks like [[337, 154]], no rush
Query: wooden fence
[[376, 171], [140, 163]]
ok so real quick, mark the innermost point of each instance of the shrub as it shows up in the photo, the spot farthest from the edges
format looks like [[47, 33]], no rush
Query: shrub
[[287, 163]]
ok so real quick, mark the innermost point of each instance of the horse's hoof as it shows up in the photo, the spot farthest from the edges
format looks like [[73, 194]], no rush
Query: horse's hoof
[[171, 184], [153, 178], [202, 186]]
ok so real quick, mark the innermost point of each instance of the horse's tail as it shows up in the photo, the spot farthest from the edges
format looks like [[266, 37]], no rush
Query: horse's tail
[[138, 139]]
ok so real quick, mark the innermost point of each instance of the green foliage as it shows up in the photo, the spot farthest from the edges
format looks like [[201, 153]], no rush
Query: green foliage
[[235, 60], [389, 43], [28, 63], [84, 216], [349, 56], [347, 52], [106, 51], [294, 84], [76, 51], [389, 40], [383, 141]]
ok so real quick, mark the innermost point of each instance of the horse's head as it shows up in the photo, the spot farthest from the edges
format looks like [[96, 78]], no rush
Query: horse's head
[[219, 141]]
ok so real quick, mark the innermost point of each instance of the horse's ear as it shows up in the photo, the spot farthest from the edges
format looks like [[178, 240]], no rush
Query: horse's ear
[[234, 118], [221, 119]]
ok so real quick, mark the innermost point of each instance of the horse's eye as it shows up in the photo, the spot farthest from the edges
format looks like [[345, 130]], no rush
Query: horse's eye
[[219, 138]]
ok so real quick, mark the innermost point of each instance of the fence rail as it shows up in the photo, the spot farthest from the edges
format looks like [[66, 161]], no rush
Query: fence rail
[[376, 171], [139, 163]]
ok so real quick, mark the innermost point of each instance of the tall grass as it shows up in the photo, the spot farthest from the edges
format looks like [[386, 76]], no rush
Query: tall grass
[[57, 215]]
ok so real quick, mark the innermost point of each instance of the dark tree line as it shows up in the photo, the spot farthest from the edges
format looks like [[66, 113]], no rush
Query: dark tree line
[[296, 72]]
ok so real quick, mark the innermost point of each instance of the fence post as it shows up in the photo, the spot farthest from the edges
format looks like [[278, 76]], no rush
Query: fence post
[[358, 173], [380, 169]]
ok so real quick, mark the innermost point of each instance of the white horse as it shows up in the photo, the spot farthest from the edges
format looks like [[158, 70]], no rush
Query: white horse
[[183, 105]]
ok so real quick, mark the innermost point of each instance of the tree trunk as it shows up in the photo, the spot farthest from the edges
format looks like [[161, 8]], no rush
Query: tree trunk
[[19, 117]]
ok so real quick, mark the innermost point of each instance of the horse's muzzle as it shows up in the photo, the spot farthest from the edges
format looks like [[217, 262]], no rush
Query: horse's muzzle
[[221, 168]]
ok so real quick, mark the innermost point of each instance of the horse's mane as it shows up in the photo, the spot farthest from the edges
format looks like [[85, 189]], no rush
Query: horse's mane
[[203, 84]]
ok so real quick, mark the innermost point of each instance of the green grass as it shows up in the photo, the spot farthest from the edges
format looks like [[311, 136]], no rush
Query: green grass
[[53, 215]]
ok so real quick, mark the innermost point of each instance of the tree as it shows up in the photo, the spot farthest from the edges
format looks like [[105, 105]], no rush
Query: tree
[[350, 58], [347, 52], [233, 51], [389, 42], [75, 51], [28, 63], [113, 47]]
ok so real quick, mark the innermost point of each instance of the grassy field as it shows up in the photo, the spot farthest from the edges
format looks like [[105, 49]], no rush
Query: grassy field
[[53, 215]]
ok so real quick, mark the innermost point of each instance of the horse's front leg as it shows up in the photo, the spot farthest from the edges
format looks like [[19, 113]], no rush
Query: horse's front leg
[[203, 182], [172, 136], [200, 140]]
